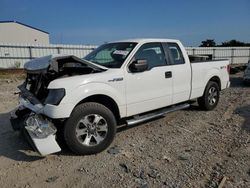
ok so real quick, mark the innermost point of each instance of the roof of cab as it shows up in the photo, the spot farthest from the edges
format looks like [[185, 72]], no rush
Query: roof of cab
[[144, 40]]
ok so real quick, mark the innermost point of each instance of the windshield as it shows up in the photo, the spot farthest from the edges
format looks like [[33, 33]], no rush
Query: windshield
[[111, 55]]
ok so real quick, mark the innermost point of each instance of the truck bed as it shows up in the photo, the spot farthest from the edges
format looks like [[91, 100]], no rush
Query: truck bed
[[202, 71], [202, 59]]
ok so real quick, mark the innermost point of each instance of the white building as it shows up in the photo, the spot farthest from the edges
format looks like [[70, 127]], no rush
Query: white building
[[18, 33]]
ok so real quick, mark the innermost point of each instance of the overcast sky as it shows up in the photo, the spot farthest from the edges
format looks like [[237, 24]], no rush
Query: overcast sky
[[96, 21]]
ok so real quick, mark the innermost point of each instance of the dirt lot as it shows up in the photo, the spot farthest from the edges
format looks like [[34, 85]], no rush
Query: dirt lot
[[188, 148]]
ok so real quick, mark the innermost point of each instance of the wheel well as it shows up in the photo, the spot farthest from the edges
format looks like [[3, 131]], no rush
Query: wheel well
[[106, 101], [216, 79]]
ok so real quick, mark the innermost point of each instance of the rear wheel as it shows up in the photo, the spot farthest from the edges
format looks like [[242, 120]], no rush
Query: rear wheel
[[90, 129], [211, 96]]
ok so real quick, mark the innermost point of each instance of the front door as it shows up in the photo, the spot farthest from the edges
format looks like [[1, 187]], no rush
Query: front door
[[151, 89]]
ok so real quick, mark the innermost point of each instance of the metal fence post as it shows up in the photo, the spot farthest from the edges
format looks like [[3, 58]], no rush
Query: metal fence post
[[232, 56], [249, 53], [213, 56], [58, 50], [193, 51], [30, 52]]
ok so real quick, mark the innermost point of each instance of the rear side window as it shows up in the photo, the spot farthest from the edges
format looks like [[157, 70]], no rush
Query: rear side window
[[153, 53], [176, 54]]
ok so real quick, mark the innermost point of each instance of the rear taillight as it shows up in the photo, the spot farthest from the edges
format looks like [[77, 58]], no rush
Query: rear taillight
[[228, 69]]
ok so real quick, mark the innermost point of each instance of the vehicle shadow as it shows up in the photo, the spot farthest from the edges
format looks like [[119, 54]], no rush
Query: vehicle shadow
[[12, 145], [236, 81], [194, 107], [244, 112]]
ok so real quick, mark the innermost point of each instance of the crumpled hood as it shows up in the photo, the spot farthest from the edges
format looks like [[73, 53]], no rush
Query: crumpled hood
[[50, 62]]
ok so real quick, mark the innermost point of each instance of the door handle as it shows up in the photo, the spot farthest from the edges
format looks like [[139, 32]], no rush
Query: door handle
[[168, 74]]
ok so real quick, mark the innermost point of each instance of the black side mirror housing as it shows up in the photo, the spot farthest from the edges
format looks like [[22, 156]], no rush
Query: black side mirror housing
[[138, 65]]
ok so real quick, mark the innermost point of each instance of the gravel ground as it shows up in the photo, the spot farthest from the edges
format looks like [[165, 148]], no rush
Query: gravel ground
[[188, 148]]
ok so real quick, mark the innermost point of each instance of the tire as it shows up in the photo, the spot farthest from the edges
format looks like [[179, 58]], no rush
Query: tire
[[90, 129], [211, 96]]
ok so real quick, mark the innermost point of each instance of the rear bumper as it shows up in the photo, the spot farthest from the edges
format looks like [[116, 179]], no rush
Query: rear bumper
[[246, 78]]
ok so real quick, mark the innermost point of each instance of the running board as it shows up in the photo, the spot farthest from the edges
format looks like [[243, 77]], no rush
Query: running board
[[159, 113]]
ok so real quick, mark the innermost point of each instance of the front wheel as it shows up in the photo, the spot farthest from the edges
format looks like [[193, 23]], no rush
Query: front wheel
[[90, 129], [211, 96]]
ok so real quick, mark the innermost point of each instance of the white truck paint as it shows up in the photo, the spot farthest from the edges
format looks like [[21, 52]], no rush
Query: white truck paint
[[140, 91]]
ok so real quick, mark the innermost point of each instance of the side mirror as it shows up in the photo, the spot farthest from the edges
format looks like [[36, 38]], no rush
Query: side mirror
[[138, 65]]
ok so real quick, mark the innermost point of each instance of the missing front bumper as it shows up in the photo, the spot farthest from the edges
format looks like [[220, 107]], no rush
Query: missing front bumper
[[38, 130]]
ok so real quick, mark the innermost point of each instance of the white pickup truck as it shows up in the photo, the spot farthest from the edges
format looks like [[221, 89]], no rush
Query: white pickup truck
[[127, 81]]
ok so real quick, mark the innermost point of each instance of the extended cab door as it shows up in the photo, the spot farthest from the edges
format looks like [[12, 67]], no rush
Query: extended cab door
[[151, 89], [181, 72]]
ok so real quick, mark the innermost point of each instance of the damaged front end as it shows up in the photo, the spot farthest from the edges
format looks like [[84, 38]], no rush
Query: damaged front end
[[38, 129], [34, 95]]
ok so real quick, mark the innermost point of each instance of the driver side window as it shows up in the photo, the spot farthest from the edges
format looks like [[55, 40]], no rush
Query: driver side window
[[153, 53]]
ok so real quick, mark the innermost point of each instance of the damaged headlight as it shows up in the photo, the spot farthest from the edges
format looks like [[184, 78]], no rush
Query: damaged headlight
[[55, 96], [39, 126]]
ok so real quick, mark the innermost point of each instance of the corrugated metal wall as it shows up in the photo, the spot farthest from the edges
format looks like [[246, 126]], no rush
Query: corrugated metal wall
[[236, 55], [14, 56]]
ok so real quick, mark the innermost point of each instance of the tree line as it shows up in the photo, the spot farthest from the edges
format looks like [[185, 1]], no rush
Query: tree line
[[230, 43]]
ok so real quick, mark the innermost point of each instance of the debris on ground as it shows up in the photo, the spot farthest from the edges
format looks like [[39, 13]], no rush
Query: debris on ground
[[52, 179], [187, 148], [113, 150]]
